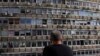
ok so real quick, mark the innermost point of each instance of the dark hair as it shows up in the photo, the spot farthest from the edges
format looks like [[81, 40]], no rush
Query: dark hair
[[55, 35]]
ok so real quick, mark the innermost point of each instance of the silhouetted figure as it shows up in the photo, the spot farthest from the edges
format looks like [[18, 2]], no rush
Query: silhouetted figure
[[57, 48]]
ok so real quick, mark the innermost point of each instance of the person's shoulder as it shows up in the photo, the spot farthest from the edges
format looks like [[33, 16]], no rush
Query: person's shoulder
[[46, 47], [67, 47]]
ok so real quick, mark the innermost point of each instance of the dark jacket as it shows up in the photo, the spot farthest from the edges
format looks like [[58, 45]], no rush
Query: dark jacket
[[57, 50]]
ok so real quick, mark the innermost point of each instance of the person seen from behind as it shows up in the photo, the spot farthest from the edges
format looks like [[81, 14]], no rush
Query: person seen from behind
[[57, 48]]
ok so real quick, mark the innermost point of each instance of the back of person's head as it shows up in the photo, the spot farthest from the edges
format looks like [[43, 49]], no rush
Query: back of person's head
[[55, 35]]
